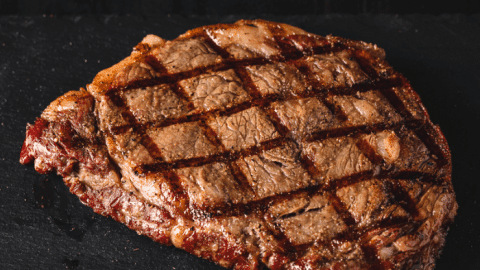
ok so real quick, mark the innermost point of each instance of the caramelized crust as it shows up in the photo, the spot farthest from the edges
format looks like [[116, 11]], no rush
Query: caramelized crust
[[257, 144]]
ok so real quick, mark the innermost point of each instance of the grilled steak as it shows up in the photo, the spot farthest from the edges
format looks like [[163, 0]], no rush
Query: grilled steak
[[257, 144]]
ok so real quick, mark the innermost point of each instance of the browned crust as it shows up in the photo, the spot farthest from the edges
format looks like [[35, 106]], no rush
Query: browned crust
[[157, 223]]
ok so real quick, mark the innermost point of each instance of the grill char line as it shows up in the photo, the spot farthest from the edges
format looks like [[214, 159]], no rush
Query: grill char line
[[172, 211]]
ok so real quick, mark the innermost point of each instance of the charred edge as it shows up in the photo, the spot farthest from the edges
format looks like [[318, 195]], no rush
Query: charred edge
[[309, 166], [309, 192], [228, 63], [386, 224], [296, 252], [297, 213], [256, 95], [248, 83], [222, 157], [124, 129], [277, 123], [322, 93], [335, 110], [264, 146], [179, 192], [388, 92], [163, 123], [142, 48], [349, 180], [241, 209], [343, 212], [305, 70], [193, 33], [396, 102], [333, 48], [363, 129], [406, 226], [241, 107], [137, 128], [220, 51], [182, 94], [151, 147], [305, 161], [288, 50], [288, 248], [114, 164], [371, 257], [263, 102], [232, 63], [368, 151], [275, 30], [155, 64], [262, 204], [192, 162], [235, 170], [174, 180], [365, 63], [428, 178], [427, 135], [239, 177], [402, 197], [361, 232], [365, 86], [211, 135], [333, 185], [165, 79], [121, 105], [420, 176]]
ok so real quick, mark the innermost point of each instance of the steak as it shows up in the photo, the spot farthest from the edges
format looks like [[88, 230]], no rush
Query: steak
[[257, 145]]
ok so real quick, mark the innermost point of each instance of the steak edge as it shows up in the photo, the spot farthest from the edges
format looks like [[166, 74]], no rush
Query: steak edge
[[257, 144]]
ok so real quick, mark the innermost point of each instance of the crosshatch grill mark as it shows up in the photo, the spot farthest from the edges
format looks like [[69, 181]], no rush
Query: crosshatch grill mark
[[289, 53]]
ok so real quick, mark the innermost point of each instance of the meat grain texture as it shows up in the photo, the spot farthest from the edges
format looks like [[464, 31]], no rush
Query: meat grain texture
[[257, 145]]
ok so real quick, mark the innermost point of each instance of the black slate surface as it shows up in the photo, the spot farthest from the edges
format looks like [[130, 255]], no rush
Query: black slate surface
[[43, 226], [217, 7]]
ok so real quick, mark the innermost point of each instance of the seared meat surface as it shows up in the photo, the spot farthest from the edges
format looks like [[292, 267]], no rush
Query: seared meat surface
[[254, 145]]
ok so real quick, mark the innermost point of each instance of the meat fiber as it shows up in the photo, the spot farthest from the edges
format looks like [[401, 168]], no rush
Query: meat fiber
[[257, 144]]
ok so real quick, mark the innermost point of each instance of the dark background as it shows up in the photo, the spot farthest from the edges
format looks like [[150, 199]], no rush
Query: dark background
[[50, 47], [219, 7]]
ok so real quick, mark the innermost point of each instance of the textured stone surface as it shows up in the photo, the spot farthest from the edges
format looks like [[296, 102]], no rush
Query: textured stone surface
[[42, 58]]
